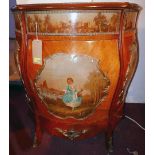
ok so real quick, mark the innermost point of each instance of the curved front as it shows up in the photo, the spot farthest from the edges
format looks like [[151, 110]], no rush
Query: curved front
[[76, 65]]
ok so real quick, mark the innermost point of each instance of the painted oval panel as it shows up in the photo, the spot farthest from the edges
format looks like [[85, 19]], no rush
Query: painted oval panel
[[71, 85]]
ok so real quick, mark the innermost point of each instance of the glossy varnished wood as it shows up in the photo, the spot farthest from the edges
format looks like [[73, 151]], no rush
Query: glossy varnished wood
[[76, 6], [118, 57]]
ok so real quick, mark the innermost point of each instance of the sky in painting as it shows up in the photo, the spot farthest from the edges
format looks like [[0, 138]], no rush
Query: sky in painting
[[61, 66]]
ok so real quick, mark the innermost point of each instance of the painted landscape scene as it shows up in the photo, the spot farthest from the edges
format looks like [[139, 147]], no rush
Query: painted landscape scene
[[74, 22], [71, 85]]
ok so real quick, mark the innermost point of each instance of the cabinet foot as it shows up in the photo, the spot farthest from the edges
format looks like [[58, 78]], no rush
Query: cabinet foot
[[36, 142], [109, 143], [38, 133]]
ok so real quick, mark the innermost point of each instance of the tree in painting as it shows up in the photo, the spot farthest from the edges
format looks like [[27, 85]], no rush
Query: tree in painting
[[114, 23], [39, 23], [96, 84], [101, 22], [31, 24], [47, 23]]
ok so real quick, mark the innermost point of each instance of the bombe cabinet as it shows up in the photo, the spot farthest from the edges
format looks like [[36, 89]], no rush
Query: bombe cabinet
[[76, 61]]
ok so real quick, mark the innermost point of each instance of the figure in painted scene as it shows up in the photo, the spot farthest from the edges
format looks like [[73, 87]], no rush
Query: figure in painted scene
[[72, 97]]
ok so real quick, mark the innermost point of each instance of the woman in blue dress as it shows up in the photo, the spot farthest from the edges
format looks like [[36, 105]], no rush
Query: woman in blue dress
[[72, 97]]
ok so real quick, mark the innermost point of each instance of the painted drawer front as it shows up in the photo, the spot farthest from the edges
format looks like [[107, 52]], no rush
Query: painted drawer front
[[76, 22], [74, 130], [73, 22]]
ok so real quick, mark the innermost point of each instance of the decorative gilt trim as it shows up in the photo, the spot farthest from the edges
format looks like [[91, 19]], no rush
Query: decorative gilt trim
[[130, 17], [16, 57], [18, 31], [132, 49], [73, 34], [109, 144], [17, 16], [71, 11], [71, 134], [35, 142]]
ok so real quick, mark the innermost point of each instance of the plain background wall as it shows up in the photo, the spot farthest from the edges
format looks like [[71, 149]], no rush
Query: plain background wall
[[11, 20], [136, 93]]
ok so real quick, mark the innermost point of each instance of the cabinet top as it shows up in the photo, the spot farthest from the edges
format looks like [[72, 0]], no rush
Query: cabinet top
[[77, 6]]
